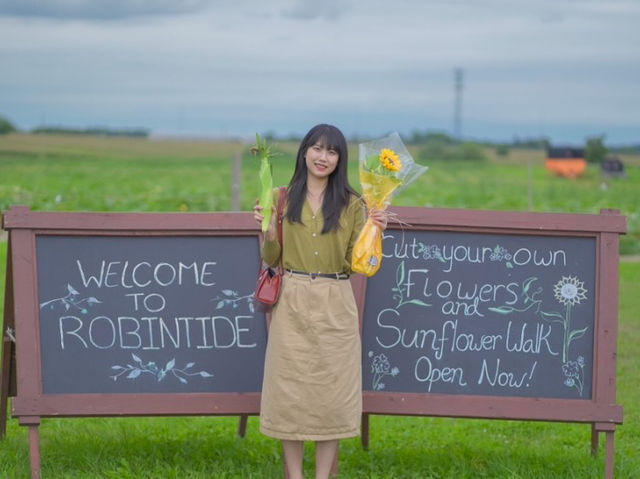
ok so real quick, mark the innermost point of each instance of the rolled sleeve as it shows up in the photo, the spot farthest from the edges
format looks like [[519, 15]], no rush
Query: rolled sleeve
[[270, 249], [358, 218], [270, 252]]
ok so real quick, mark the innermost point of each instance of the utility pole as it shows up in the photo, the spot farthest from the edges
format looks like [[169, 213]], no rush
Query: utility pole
[[457, 108]]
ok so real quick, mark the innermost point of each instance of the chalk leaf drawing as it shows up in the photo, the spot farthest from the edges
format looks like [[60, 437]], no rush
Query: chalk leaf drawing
[[139, 368], [528, 298], [233, 299], [401, 289], [380, 367], [568, 291], [71, 300]]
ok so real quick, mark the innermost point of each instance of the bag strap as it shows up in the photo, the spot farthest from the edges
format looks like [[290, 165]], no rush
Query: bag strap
[[280, 218]]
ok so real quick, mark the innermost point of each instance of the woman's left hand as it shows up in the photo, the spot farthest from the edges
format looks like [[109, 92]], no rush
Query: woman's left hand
[[378, 218]]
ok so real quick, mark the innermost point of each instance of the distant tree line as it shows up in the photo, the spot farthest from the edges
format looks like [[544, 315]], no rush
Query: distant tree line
[[56, 130], [432, 144], [6, 127], [437, 146]]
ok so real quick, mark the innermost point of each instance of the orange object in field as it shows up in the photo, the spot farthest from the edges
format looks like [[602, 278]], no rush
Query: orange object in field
[[567, 162], [571, 168]]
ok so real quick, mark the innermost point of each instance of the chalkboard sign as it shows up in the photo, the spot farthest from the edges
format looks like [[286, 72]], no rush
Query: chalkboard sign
[[149, 314], [493, 314], [131, 314], [481, 314]]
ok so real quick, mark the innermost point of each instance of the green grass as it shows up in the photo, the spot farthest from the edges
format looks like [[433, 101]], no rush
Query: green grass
[[102, 174], [60, 173]]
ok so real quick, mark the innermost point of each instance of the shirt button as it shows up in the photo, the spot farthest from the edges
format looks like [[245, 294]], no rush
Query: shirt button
[[316, 253], [313, 217], [313, 234]]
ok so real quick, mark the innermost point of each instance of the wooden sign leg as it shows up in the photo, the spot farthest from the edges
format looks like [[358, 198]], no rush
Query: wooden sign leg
[[609, 429], [34, 451], [608, 467], [7, 351], [364, 435], [242, 425], [34, 443], [594, 439], [8, 343]]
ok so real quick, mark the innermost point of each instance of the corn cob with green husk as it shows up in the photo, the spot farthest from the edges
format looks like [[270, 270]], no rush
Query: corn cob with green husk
[[266, 179]]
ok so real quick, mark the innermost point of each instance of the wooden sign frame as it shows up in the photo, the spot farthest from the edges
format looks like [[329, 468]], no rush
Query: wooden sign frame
[[21, 365], [29, 403], [601, 411]]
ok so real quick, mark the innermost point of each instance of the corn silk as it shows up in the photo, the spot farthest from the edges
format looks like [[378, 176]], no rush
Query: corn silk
[[385, 169], [266, 180]]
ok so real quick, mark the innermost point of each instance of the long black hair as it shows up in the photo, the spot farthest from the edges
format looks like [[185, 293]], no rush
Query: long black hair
[[338, 191]]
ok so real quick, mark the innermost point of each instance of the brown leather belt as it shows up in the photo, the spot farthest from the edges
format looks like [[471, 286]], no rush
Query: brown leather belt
[[321, 275]]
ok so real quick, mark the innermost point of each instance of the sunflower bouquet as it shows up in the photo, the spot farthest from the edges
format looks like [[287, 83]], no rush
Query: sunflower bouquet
[[386, 168]]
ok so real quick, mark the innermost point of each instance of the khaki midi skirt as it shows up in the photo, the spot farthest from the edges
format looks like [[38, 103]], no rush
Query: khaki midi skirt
[[312, 388]]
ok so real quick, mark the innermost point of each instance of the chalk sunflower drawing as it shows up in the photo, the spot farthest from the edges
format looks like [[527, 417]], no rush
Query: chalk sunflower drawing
[[136, 370], [570, 291], [71, 300], [381, 367]]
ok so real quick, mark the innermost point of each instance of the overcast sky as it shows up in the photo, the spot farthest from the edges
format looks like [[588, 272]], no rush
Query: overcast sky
[[565, 69]]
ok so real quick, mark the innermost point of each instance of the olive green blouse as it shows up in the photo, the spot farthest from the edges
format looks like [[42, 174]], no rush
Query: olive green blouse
[[306, 249]]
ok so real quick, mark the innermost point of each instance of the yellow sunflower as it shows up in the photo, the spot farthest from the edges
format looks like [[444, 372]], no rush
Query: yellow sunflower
[[390, 160]]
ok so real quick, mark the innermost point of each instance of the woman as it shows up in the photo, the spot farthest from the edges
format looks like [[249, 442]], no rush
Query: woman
[[312, 378]]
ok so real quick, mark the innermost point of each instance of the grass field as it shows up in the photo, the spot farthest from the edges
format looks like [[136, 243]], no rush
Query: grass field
[[78, 173]]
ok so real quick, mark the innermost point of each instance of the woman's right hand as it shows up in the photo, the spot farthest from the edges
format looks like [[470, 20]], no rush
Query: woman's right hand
[[258, 216]]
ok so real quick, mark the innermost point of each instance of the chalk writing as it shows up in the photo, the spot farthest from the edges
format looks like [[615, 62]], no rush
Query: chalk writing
[[128, 332], [454, 254], [467, 313], [402, 289], [167, 302], [426, 372], [114, 274], [497, 376]]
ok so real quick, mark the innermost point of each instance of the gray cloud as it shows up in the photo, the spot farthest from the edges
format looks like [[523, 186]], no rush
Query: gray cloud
[[97, 9], [311, 10], [546, 67]]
